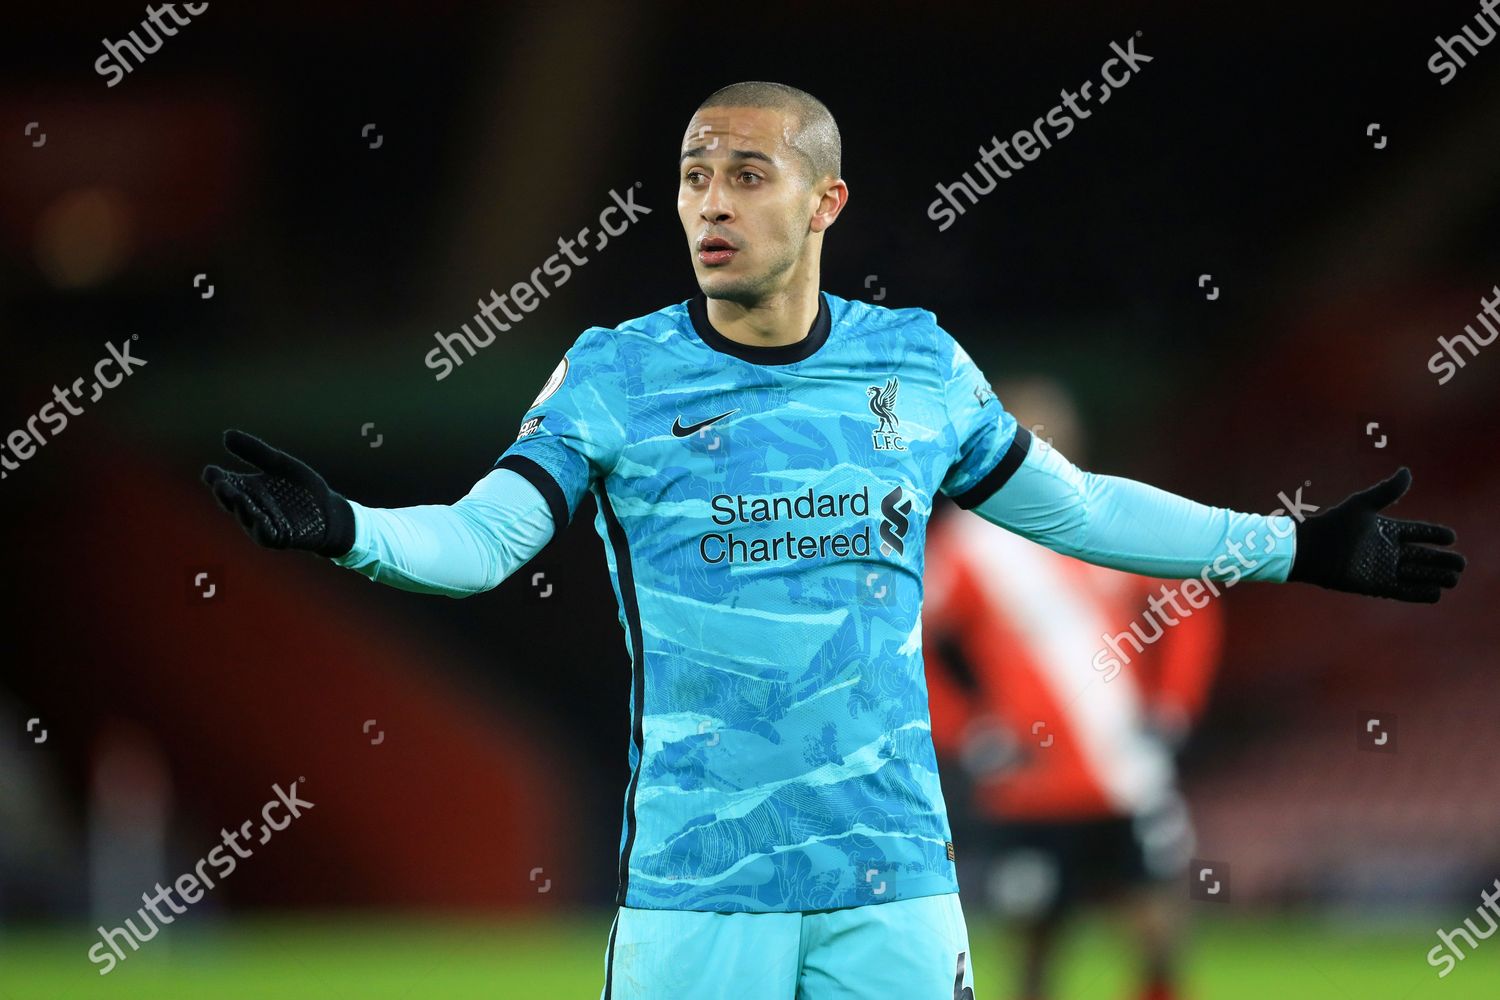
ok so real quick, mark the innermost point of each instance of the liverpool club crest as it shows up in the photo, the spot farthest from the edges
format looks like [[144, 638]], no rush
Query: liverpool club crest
[[883, 405]]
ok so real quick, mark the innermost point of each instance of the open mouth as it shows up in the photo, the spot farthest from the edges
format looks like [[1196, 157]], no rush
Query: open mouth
[[716, 250]]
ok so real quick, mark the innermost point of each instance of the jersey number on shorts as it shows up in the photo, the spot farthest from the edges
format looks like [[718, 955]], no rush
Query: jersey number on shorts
[[960, 991]]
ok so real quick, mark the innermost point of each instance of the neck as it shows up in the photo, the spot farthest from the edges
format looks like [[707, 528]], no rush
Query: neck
[[782, 318]]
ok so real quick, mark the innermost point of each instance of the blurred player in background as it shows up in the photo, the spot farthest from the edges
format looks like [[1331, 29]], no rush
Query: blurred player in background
[[1072, 768]]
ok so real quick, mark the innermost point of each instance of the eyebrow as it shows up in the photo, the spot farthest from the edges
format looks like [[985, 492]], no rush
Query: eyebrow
[[737, 154]]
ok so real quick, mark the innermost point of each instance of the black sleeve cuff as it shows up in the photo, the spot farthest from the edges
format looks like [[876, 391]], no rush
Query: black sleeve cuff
[[539, 477], [1000, 474], [339, 540], [1317, 558]]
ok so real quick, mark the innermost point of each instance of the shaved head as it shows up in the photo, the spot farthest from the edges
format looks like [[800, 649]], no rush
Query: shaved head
[[757, 186], [812, 132]]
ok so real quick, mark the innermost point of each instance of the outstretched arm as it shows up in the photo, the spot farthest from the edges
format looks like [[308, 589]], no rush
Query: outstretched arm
[[1130, 526], [456, 550]]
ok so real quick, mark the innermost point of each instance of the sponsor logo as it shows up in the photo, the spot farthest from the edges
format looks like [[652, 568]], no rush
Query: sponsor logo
[[679, 430], [531, 426], [735, 512], [732, 509], [894, 523], [883, 405]]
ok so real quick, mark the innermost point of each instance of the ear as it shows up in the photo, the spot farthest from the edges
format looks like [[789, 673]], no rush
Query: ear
[[833, 195]]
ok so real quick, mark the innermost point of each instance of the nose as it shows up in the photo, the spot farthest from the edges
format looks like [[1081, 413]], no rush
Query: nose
[[716, 206]]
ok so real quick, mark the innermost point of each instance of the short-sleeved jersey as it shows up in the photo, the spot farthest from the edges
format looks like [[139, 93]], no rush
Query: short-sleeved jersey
[[763, 511]]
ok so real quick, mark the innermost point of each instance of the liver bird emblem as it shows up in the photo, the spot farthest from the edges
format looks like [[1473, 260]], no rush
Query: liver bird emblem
[[883, 405]]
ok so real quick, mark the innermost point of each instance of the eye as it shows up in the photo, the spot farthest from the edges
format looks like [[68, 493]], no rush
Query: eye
[[693, 176], [750, 177]]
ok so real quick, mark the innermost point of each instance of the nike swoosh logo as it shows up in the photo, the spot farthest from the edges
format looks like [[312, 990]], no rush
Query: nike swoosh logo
[[680, 431]]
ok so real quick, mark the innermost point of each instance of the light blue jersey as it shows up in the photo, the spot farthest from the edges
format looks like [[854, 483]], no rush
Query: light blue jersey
[[763, 512]]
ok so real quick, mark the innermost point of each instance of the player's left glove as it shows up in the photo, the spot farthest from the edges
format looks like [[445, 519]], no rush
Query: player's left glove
[[1351, 547]]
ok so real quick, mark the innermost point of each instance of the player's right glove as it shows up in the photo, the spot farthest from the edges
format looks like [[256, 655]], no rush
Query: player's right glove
[[1352, 547], [285, 505]]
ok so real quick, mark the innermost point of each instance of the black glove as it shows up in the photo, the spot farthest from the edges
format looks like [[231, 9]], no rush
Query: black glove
[[1351, 547], [284, 506]]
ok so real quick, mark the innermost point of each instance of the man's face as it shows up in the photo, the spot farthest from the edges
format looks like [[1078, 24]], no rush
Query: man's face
[[745, 202]]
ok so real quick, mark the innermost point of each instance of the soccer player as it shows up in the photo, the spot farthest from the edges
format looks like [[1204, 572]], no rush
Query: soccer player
[[1073, 779], [764, 457]]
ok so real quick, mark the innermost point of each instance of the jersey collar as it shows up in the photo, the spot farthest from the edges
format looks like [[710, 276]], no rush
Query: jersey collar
[[782, 354]]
